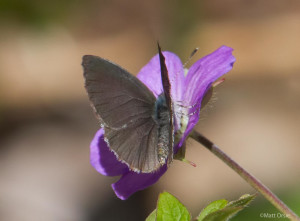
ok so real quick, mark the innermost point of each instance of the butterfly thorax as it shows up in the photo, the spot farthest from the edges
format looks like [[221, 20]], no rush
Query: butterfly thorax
[[162, 117]]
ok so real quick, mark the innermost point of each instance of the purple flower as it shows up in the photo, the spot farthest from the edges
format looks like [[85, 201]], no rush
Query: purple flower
[[186, 90]]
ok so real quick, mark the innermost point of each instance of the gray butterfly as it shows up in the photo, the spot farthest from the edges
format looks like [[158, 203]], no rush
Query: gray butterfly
[[138, 127]]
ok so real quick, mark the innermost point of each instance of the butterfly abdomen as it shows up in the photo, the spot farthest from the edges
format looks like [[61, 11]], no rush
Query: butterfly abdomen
[[162, 117]]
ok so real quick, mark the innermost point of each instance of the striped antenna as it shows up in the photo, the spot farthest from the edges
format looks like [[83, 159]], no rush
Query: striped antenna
[[190, 57]]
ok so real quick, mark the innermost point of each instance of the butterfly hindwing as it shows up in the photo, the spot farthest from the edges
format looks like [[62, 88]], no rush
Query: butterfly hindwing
[[137, 144]]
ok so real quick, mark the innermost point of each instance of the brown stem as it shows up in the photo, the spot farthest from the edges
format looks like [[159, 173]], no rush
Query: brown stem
[[254, 182]]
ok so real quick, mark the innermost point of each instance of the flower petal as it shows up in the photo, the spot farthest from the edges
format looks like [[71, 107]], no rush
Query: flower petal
[[205, 71], [132, 182], [200, 77], [150, 75], [104, 160]]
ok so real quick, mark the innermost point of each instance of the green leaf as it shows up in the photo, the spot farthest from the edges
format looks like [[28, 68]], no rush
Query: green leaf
[[223, 214], [221, 210], [212, 207], [152, 216], [170, 209], [243, 201]]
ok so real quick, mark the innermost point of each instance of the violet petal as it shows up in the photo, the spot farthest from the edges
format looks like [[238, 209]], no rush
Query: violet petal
[[200, 77], [150, 75], [103, 159], [132, 182]]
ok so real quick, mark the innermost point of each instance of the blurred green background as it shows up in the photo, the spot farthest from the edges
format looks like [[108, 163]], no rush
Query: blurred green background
[[46, 123]]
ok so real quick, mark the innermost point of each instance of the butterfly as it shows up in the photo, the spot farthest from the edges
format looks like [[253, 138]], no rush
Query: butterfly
[[138, 127]]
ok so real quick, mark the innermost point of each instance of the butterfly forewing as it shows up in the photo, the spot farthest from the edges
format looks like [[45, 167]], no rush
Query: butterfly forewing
[[125, 108], [118, 97]]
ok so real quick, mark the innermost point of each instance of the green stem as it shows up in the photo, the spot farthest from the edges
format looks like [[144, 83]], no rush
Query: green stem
[[254, 182]]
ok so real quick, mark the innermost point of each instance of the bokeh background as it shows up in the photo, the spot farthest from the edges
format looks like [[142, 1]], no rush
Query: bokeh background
[[46, 123]]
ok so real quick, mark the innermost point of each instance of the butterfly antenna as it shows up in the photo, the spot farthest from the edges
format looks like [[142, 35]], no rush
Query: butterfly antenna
[[190, 57]]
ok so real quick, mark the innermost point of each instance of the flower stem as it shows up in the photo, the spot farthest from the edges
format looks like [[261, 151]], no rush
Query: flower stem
[[254, 182]]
